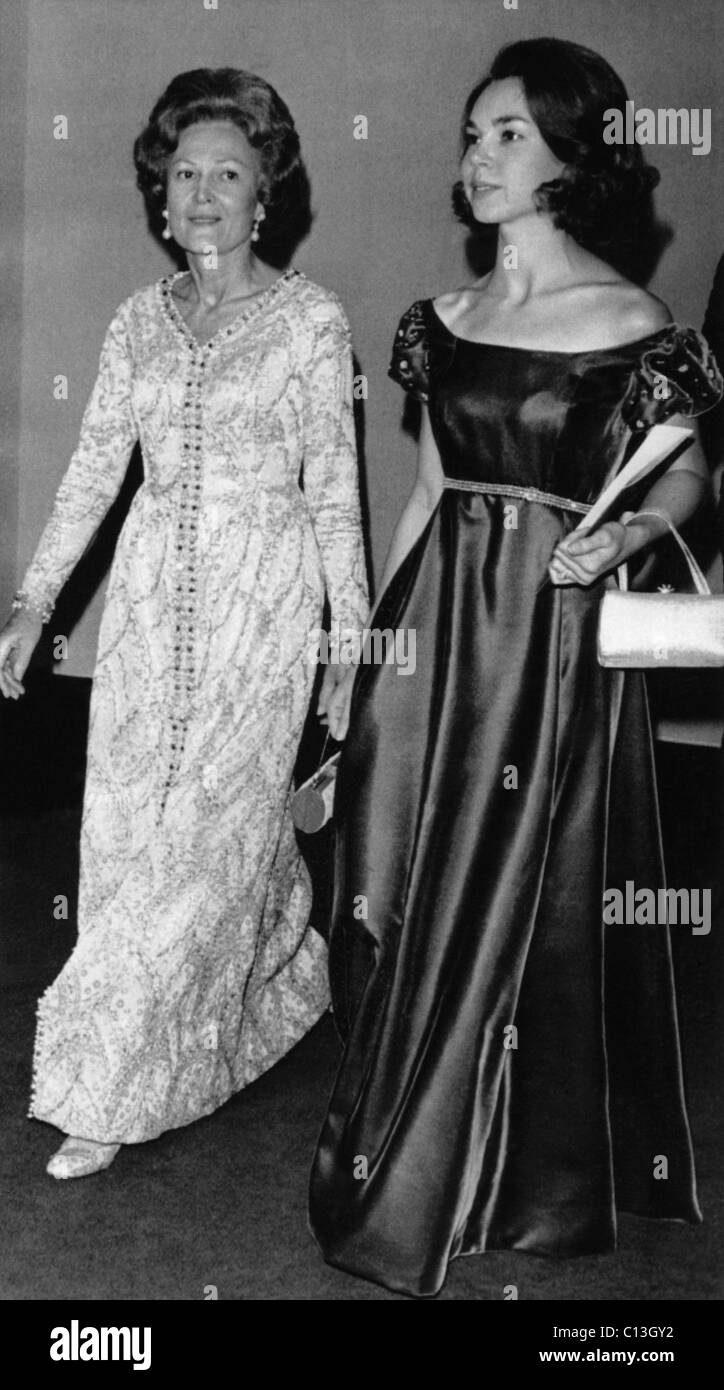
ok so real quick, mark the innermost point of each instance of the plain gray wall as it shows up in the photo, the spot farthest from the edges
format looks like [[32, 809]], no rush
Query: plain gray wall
[[13, 89], [74, 223]]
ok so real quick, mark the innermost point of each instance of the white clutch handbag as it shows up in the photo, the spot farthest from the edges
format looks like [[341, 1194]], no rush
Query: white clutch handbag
[[662, 629]]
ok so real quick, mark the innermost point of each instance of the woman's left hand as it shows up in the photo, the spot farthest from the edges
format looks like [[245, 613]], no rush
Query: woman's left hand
[[585, 559], [333, 674], [335, 713]]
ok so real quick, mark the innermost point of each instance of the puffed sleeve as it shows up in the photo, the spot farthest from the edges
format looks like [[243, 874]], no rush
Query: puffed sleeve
[[675, 376], [410, 354], [95, 473], [331, 485]]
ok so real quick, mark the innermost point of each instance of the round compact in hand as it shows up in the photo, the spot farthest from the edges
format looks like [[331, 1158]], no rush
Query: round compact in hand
[[312, 804]]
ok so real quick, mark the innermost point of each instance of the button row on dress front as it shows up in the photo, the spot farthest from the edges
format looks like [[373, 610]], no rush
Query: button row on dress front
[[185, 585]]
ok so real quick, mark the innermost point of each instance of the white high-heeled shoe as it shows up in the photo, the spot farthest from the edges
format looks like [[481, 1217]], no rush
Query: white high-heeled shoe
[[77, 1158]]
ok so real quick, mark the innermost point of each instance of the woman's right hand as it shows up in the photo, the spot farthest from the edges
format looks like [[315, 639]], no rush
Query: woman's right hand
[[18, 641]]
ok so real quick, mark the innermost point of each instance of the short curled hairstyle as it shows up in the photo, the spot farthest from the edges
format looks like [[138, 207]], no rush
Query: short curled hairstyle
[[230, 94], [603, 197]]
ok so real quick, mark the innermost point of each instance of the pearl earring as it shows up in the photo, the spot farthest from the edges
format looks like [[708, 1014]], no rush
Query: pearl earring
[[166, 233], [255, 225]]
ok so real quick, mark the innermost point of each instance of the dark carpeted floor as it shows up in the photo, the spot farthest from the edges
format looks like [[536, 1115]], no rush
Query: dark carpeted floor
[[222, 1203]]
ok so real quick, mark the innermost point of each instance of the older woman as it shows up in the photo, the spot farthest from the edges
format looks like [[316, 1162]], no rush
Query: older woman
[[195, 968], [511, 1075]]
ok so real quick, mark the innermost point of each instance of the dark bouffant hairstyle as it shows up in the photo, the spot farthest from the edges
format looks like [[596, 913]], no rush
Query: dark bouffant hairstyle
[[603, 197], [228, 94]]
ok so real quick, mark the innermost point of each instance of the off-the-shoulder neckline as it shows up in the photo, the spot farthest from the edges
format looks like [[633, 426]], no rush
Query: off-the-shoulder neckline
[[552, 352]]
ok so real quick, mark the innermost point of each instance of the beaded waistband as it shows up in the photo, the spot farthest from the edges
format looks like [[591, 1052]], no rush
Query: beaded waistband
[[527, 494]]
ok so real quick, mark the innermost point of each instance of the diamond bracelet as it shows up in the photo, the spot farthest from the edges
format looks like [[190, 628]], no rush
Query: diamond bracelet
[[21, 604]]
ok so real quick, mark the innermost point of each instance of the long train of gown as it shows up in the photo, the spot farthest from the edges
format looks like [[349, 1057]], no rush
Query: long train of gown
[[195, 967], [511, 1071]]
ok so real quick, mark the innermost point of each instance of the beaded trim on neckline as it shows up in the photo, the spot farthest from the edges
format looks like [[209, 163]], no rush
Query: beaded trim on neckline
[[259, 302]]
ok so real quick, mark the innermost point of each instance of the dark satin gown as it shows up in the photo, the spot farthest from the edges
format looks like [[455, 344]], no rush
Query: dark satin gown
[[483, 805]]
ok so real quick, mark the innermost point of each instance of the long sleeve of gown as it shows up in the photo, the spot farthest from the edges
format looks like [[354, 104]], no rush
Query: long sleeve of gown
[[331, 485], [95, 473]]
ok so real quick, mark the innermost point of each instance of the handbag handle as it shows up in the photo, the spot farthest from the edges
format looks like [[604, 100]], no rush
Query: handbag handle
[[699, 581], [324, 749], [321, 767]]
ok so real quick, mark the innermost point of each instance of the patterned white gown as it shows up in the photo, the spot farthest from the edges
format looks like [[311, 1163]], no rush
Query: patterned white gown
[[195, 968]]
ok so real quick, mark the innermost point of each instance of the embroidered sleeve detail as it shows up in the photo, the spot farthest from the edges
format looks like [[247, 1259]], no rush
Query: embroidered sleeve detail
[[331, 486], [410, 365], [676, 376], [94, 475]]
